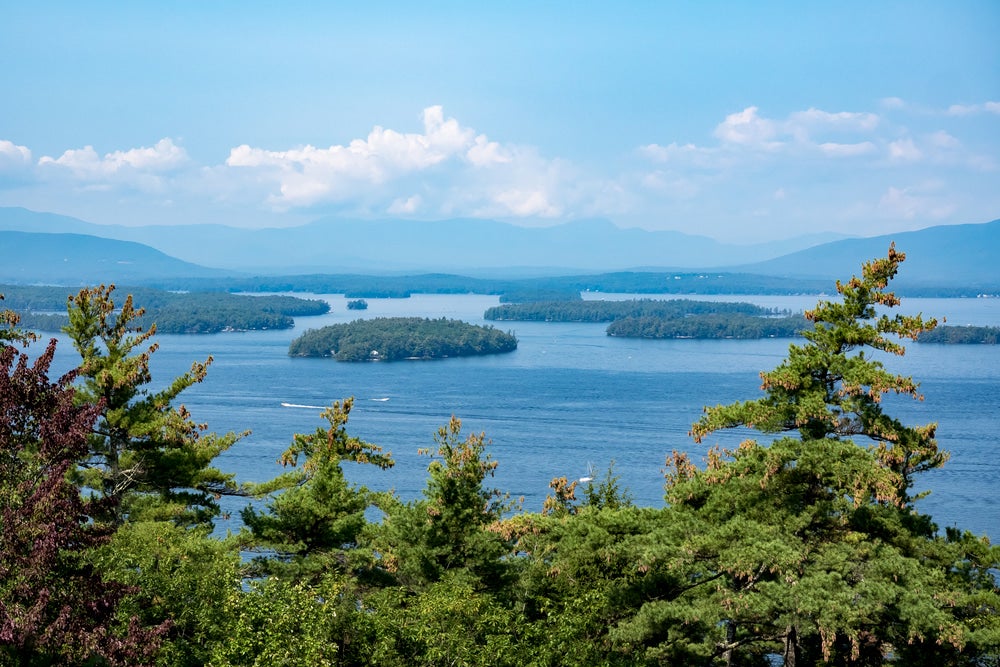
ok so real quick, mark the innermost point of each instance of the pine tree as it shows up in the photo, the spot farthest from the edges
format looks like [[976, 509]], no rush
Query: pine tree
[[147, 454]]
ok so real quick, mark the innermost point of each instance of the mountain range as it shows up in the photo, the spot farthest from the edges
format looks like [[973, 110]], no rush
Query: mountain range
[[45, 247]]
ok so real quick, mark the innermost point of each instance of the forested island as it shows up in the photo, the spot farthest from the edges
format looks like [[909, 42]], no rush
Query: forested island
[[357, 304], [395, 338], [609, 311], [710, 325], [43, 309], [968, 335], [651, 318]]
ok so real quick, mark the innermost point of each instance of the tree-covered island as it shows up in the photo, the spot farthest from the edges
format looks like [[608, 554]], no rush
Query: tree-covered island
[[44, 309], [653, 318], [394, 338]]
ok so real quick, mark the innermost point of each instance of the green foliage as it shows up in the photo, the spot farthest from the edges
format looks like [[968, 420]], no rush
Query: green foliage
[[811, 547], [451, 622], [453, 528], [824, 389], [314, 524], [394, 338], [278, 622], [179, 577], [146, 454]]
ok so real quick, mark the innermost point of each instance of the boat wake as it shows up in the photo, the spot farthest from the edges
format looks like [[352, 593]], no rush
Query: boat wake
[[306, 407]]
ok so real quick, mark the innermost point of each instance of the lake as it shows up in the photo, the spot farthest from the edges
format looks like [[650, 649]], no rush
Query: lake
[[569, 400]]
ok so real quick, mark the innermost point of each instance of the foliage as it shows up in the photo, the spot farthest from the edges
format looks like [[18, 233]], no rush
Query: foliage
[[962, 335], [147, 455], [278, 622], [180, 578], [313, 525], [394, 338], [9, 330], [452, 527], [54, 606], [811, 547], [357, 304]]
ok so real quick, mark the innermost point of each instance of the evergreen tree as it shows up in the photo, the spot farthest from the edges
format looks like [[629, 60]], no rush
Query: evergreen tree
[[811, 547], [145, 453], [315, 521]]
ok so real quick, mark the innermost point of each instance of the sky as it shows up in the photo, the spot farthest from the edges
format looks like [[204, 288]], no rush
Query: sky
[[739, 121]]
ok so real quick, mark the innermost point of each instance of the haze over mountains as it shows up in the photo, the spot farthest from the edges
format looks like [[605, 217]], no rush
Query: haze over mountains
[[49, 247]]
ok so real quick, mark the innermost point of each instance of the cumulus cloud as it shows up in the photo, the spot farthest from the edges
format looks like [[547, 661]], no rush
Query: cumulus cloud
[[86, 164], [13, 156], [308, 175], [746, 128], [970, 109]]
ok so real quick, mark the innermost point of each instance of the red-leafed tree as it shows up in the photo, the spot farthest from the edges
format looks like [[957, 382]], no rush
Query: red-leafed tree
[[55, 608]]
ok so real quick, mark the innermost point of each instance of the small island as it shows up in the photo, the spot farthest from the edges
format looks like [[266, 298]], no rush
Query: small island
[[396, 338], [357, 304]]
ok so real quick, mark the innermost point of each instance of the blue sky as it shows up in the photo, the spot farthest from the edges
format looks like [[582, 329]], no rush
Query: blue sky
[[739, 121]]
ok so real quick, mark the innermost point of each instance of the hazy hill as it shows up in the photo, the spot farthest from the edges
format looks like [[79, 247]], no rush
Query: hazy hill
[[72, 259], [967, 255], [945, 256], [462, 245]]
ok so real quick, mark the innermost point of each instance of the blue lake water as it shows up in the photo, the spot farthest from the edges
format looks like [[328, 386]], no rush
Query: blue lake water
[[570, 398]]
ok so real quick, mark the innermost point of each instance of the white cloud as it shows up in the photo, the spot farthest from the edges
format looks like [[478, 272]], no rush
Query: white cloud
[[86, 164], [892, 103], [904, 150], [484, 153], [812, 120], [308, 175], [970, 109], [406, 206], [846, 150], [528, 203], [13, 156], [746, 128]]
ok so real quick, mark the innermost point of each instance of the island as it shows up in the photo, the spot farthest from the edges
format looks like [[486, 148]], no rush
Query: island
[[609, 311], [961, 335], [396, 338], [658, 318], [43, 308], [357, 304]]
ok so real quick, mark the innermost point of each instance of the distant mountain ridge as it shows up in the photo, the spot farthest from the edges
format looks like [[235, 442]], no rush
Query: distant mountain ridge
[[460, 245], [54, 248], [77, 259], [967, 255]]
